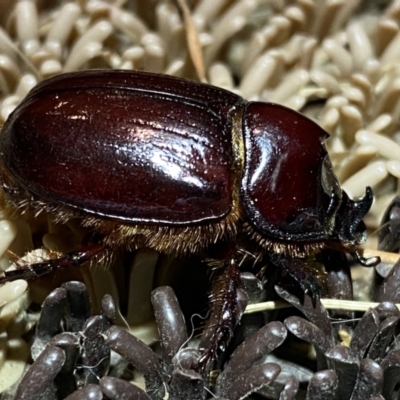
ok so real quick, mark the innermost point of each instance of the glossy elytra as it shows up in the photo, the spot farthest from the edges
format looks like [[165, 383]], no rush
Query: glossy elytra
[[155, 161]]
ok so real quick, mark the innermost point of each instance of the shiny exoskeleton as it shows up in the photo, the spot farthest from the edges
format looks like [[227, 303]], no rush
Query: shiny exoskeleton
[[162, 162], [155, 161]]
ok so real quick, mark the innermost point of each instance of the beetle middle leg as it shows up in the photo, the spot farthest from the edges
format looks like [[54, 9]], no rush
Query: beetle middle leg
[[228, 303]]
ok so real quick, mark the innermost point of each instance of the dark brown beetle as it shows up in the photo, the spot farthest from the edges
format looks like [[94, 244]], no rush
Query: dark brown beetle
[[155, 161]]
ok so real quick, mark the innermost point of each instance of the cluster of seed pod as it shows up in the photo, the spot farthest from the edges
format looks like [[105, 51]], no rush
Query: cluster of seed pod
[[71, 354], [78, 356]]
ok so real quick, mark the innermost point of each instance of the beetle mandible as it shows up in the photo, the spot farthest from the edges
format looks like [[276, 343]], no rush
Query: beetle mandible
[[148, 160]]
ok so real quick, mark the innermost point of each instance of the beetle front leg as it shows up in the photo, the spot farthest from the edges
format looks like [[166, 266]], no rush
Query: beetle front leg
[[72, 259], [299, 277], [228, 303]]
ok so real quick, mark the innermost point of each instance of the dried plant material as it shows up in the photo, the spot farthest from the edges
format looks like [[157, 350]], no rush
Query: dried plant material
[[170, 322], [38, 381], [194, 46], [251, 351], [115, 388], [12, 291], [329, 304], [323, 385], [77, 362], [359, 366]]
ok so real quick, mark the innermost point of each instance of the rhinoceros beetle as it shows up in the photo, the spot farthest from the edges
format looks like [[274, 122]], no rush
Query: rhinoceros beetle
[[155, 161]]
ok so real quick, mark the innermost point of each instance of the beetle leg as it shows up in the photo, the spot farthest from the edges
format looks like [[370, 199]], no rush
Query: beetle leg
[[365, 262], [36, 270], [228, 303], [299, 276]]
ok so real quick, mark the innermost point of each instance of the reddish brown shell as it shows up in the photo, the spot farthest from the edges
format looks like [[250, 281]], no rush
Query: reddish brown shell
[[132, 146]]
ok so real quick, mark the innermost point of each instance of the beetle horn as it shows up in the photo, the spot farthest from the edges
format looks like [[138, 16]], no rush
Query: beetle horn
[[350, 227]]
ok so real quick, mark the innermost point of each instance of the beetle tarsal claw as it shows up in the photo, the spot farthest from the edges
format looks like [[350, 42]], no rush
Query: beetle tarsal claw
[[364, 261]]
